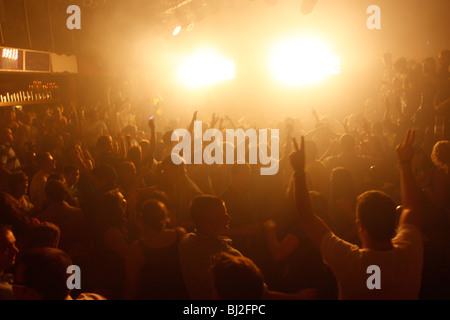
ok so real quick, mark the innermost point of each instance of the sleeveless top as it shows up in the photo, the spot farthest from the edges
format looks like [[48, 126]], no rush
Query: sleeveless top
[[161, 277]]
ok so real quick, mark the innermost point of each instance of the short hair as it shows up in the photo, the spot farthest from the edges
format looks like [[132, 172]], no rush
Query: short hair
[[44, 234], [41, 157], [134, 154], [202, 206], [110, 211], [45, 270], [154, 214], [152, 193], [440, 154], [102, 141], [55, 191], [107, 173], [237, 278], [376, 212]]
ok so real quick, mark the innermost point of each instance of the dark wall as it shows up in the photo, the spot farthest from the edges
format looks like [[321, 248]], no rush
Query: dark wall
[[36, 25]]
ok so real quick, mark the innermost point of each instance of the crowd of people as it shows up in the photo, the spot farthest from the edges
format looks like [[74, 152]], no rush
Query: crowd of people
[[97, 187]]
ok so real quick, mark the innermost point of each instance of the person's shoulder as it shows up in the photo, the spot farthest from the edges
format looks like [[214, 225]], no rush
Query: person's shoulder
[[89, 296], [330, 242], [187, 238], [179, 231], [407, 231]]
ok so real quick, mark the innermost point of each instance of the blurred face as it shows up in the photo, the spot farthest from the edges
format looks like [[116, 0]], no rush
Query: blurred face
[[123, 203], [72, 177], [109, 144], [49, 164], [22, 187], [8, 251], [221, 221]]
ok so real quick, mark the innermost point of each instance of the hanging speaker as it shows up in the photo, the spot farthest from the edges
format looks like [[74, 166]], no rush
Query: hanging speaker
[[308, 6]]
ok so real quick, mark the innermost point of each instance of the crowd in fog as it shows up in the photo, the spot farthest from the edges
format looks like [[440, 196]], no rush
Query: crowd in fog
[[95, 186]]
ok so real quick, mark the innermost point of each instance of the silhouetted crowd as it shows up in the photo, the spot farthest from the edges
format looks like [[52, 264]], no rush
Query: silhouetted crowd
[[96, 187]]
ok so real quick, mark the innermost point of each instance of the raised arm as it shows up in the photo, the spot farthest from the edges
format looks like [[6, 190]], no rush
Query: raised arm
[[191, 125], [151, 124], [411, 197], [314, 227]]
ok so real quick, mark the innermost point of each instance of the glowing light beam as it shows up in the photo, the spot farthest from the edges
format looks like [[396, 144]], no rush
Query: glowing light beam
[[205, 68], [303, 61]]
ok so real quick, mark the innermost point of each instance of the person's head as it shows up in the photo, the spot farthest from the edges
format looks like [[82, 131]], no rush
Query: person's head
[[45, 234], [104, 144], [135, 155], [45, 162], [41, 274], [240, 176], [347, 143], [71, 174], [154, 215], [6, 136], [444, 58], [167, 138], [130, 130], [441, 154], [8, 249], [341, 184], [145, 148], [401, 65], [236, 278], [55, 191], [126, 172], [376, 216], [171, 170], [113, 208], [429, 66], [106, 177], [209, 215], [18, 184]]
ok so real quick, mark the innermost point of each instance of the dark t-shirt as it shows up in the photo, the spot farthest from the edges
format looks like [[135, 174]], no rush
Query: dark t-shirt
[[305, 269], [161, 277]]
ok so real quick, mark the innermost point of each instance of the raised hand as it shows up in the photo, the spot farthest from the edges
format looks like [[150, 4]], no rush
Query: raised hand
[[297, 157], [151, 123], [405, 150]]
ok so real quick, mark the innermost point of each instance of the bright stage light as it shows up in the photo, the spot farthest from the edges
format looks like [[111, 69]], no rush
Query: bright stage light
[[205, 68], [176, 31], [303, 61]]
